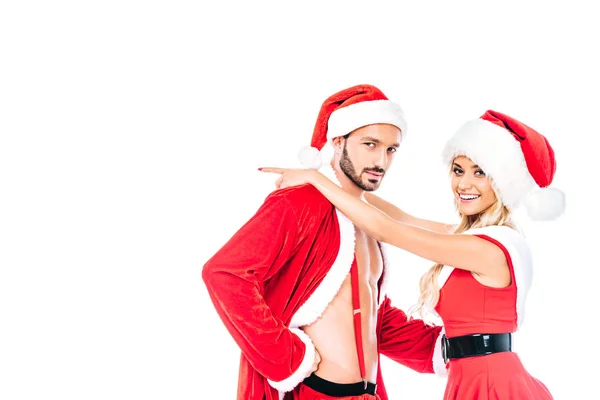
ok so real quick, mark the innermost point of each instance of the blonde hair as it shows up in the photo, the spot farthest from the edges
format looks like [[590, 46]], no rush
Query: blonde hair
[[497, 214]]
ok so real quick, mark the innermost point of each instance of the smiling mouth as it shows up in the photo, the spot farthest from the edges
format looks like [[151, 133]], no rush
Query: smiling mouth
[[468, 197]]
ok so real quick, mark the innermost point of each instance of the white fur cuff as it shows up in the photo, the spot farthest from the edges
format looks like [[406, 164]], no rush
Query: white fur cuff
[[439, 366], [306, 365]]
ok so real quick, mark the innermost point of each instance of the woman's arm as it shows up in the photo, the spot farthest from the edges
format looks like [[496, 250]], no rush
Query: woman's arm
[[466, 252], [396, 213]]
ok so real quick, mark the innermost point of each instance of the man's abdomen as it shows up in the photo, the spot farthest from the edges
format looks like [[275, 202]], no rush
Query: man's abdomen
[[333, 337]]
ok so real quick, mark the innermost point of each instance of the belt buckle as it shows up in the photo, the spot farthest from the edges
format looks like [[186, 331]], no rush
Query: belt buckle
[[366, 387], [444, 348]]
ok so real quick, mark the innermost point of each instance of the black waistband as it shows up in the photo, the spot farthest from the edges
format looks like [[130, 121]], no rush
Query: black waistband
[[475, 345], [339, 389]]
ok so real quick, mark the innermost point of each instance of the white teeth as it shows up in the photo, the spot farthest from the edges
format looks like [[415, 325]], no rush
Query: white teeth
[[468, 196]]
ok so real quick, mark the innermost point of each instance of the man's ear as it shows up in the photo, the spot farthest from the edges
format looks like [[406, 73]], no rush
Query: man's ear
[[338, 144]]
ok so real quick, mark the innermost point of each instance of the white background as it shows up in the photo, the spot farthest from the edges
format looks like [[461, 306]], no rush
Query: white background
[[130, 137]]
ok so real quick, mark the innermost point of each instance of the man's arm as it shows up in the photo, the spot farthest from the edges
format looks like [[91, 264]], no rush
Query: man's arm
[[396, 213], [413, 343], [234, 277]]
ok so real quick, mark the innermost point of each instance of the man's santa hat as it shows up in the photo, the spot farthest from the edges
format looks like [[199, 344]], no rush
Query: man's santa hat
[[345, 112], [518, 159]]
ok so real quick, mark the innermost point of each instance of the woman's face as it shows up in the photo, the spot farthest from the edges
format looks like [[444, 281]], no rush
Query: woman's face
[[471, 187]]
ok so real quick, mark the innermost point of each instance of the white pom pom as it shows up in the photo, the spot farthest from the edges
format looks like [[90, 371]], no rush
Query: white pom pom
[[545, 204], [310, 157]]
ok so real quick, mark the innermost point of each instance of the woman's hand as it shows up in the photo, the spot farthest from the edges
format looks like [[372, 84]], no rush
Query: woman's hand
[[291, 176]]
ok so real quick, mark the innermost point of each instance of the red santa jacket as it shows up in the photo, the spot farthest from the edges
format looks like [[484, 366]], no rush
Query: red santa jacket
[[278, 273]]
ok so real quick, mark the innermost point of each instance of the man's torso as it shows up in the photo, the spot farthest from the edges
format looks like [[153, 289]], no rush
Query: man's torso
[[333, 334]]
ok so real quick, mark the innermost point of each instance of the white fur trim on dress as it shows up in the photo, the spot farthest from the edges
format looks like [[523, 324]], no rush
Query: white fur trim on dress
[[347, 119], [303, 370], [498, 154], [316, 304], [520, 257], [439, 366]]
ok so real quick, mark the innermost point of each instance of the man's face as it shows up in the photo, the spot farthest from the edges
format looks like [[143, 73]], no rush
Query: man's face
[[367, 154]]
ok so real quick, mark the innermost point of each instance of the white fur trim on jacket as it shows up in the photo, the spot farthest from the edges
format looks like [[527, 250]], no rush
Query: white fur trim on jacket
[[439, 366], [347, 119], [316, 304], [498, 154], [386, 273], [303, 370], [520, 257]]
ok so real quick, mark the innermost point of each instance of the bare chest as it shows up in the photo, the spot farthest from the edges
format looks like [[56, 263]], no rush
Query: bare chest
[[368, 258]]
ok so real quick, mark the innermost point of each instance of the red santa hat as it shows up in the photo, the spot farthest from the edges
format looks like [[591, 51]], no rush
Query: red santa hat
[[518, 159], [345, 112]]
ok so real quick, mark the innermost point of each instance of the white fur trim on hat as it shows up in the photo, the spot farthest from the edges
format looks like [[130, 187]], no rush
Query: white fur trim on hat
[[347, 119], [310, 157], [545, 204], [498, 154]]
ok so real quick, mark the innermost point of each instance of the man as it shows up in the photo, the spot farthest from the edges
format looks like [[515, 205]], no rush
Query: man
[[301, 290]]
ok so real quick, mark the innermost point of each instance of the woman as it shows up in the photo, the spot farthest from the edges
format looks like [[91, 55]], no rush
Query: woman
[[483, 269]]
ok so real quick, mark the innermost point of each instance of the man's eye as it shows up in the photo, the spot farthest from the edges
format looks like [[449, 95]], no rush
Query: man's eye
[[392, 149]]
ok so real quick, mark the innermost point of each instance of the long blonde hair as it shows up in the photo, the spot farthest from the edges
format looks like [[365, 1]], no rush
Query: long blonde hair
[[496, 214]]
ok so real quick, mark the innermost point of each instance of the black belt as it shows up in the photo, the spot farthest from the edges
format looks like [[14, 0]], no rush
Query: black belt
[[339, 389], [475, 345]]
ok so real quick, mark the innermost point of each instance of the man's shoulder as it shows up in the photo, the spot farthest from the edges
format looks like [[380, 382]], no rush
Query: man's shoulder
[[302, 197]]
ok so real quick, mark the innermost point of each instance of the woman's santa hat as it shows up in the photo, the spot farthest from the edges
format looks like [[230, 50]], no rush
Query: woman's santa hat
[[345, 112], [518, 159]]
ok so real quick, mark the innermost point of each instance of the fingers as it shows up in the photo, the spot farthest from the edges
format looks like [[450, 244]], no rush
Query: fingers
[[278, 182], [273, 170]]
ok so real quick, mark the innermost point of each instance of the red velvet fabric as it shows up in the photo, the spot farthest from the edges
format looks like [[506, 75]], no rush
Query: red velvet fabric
[[269, 268], [539, 155], [344, 98], [467, 307]]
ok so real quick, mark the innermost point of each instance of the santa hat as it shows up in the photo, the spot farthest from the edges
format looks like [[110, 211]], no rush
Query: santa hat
[[518, 159], [345, 112]]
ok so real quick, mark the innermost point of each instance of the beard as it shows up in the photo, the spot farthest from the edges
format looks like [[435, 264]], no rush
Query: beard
[[348, 169]]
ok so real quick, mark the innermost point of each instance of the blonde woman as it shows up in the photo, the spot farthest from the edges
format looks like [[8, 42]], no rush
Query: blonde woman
[[483, 265]]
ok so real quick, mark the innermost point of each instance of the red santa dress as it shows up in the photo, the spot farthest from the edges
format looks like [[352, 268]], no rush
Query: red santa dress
[[468, 307]]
